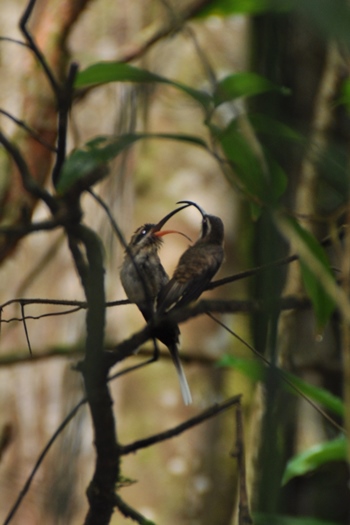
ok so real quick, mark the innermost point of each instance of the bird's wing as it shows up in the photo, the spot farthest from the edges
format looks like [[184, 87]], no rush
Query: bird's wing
[[190, 278]]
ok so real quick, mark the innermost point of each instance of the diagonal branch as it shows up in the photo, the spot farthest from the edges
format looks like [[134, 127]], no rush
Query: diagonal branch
[[179, 429]]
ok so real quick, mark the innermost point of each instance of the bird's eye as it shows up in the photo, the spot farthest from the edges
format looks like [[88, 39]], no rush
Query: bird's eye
[[205, 226], [141, 233]]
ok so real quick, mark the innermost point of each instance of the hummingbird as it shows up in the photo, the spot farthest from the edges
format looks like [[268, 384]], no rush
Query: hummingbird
[[143, 277], [196, 266]]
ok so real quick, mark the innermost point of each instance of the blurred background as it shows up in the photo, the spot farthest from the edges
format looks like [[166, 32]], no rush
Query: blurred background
[[191, 479]]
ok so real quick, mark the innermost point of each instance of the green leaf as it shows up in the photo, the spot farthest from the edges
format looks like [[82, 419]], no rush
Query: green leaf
[[268, 126], [320, 395], [246, 165], [278, 179], [98, 152], [79, 166], [315, 457], [256, 371], [322, 303], [261, 518], [105, 72], [231, 7], [251, 368], [243, 85], [263, 185], [345, 94]]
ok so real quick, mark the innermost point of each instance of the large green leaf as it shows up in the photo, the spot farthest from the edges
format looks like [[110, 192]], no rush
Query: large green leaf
[[105, 72], [315, 457], [256, 371], [98, 152], [247, 167], [244, 84], [277, 180]]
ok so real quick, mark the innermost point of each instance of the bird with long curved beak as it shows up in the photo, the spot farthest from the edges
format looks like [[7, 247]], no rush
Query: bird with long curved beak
[[197, 265], [143, 277]]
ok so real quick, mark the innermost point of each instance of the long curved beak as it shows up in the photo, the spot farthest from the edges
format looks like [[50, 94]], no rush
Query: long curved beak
[[191, 203], [157, 227]]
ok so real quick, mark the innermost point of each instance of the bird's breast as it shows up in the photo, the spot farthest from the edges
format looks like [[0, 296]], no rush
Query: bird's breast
[[142, 278]]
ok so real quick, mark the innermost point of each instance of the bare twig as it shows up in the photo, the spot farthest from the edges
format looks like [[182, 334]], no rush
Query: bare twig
[[130, 512], [28, 182], [326, 242], [179, 429], [26, 329], [244, 517], [58, 302], [39, 461], [29, 130], [31, 43], [14, 41], [65, 97], [152, 35]]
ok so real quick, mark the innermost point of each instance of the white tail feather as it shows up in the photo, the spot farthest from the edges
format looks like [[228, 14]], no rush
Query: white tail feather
[[185, 389]]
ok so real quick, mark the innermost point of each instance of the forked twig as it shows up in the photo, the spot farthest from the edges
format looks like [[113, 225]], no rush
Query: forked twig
[[32, 45]]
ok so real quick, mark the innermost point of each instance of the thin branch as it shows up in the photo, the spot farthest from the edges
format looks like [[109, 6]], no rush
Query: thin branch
[[34, 227], [127, 347], [41, 316], [244, 517], [59, 302], [65, 97], [145, 42], [12, 359], [28, 182], [29, 130], [14, 41], [179, 429], [326, 242], [32, 45], [39, 461], [130, 512], [26, 329], [212, 411], [282, 374], [111, 219]]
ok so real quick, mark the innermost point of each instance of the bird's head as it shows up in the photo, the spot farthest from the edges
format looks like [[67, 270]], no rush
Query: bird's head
[[212, 226], [149, 236]]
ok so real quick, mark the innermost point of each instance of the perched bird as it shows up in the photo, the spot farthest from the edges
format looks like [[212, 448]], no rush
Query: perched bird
[[196, 267], [143, 277]]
